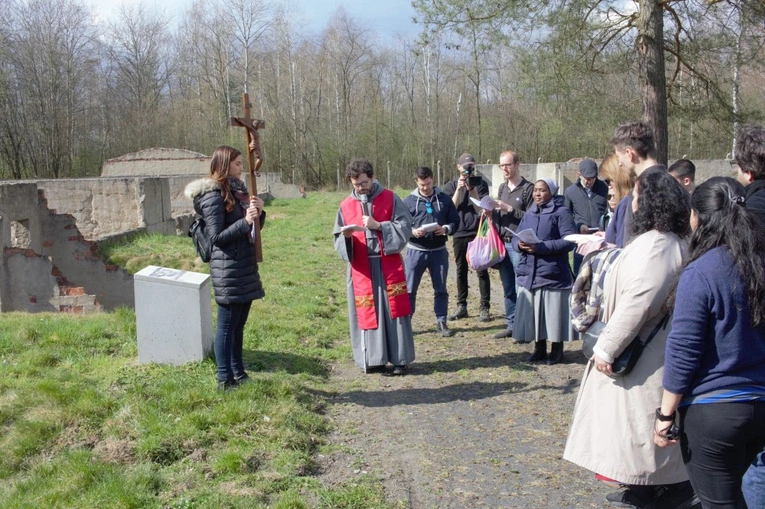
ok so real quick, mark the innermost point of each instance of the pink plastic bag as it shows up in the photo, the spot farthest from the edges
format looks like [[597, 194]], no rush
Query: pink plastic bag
[[487, 249]]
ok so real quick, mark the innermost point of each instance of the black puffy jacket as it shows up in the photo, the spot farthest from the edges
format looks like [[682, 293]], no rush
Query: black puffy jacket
[[233, 268]]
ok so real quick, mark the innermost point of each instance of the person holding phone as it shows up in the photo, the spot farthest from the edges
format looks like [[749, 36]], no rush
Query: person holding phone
[[465, 186]]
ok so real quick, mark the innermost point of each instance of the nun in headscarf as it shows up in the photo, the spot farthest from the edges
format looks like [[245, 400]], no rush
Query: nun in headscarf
[[544, 274]]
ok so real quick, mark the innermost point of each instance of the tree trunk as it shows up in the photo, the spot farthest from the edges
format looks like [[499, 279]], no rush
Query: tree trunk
[[653, 87]]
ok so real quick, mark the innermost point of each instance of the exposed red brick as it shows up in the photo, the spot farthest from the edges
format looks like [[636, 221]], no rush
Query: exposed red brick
[[47, 243], [75, 238], [33, 299], [73, 291]]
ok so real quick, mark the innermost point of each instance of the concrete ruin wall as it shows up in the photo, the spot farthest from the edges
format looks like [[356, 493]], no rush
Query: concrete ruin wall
[[46, 263], [179, 167]]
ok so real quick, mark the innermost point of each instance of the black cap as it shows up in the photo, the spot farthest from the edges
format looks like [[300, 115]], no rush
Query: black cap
[[588, 168], [466, 159]]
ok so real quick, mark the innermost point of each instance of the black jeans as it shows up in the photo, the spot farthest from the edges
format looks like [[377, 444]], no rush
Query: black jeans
[[484, 283], [719, 442]]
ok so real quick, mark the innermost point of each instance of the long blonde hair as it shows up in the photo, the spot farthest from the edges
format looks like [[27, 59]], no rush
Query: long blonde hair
[[220, 164], [622, 181]]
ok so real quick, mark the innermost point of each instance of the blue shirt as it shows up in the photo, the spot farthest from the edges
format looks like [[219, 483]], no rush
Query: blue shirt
[[712, 344]]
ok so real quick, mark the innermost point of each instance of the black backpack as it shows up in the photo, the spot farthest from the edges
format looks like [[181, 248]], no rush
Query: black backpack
[[200, 239]]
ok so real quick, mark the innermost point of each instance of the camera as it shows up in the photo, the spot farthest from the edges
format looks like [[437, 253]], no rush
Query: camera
[[474, 181]]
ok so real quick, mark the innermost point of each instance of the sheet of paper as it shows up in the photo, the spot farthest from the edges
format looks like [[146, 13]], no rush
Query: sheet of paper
[[486, 203], [527, 236], [582, 238], [429, 227], [352, 227]]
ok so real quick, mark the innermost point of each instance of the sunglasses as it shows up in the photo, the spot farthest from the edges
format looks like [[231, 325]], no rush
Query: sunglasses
[[429, 208]]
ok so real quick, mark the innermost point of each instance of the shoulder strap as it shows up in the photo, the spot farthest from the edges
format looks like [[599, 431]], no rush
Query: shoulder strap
[[662, 323], [527, 189]]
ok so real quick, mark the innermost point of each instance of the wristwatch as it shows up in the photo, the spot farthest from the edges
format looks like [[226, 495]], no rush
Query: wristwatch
[[664, 418]]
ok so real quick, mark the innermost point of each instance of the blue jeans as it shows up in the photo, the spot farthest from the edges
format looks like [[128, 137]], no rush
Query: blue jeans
[[510, 282], [437, 263], [229, 340], [753, 483]]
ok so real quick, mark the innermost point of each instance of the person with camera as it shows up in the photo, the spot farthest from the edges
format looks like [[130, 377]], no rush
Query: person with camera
[[465, 186]]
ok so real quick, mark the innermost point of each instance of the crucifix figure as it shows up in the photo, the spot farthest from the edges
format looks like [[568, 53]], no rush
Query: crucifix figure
[[254, 158]]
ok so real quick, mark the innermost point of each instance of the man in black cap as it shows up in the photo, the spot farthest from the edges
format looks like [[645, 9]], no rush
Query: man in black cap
[[461, 191], [587, 200]]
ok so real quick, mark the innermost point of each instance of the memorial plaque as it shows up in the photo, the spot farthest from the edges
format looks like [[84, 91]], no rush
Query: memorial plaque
[[173, 315]]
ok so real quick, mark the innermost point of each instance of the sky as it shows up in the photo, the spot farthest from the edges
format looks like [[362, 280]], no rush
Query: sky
[[386, 17]]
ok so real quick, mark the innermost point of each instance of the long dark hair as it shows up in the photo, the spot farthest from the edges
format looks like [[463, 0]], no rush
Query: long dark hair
[[723, 221], [662, 204], [220, 164]]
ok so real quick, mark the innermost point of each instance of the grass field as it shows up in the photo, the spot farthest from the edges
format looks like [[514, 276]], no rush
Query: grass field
[[83, 425]]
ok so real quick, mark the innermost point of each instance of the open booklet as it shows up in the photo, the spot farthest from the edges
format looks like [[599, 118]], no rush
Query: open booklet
[[352, 227], [527, 236], [486, 203]]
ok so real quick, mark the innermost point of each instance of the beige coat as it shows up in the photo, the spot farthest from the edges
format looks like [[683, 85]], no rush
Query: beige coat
[[612, 429]]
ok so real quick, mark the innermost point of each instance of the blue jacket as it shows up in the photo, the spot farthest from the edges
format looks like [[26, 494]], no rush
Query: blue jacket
[[548, 267], [443, 212], [712, 344]]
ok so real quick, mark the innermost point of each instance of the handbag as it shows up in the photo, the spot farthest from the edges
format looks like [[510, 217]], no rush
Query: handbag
[[487, 249], [623, 364]]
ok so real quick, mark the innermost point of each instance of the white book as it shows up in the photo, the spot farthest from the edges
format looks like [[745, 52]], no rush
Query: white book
[[527, 236], [352, 227], [486, 203]]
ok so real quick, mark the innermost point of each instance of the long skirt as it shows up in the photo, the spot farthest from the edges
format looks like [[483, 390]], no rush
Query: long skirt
[[543, 313]]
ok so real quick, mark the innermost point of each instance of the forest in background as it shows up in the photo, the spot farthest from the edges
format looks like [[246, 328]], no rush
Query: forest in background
[[549, 79]]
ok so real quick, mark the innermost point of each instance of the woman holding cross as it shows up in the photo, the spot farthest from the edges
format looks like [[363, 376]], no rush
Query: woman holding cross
[[229, 213]]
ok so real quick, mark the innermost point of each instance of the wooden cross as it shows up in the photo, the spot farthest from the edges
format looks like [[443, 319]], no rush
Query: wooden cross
[[254, 158]]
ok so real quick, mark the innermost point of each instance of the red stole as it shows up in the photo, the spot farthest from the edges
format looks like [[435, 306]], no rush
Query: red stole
[[361, 274]]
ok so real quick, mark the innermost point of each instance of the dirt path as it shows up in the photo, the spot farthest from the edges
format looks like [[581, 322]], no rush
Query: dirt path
[[472, 425]]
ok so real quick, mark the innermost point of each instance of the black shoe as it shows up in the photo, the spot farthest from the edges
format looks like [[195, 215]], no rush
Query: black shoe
[[242, 379], [507, 333], [540, 351], [556, 353], [484, 316], [397, 371], [637, 497], [226, 385], [675, 496], [460, 313], [443, 329]]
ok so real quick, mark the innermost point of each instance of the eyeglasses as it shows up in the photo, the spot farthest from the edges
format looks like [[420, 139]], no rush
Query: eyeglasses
[[607, 181], [428, 208]]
